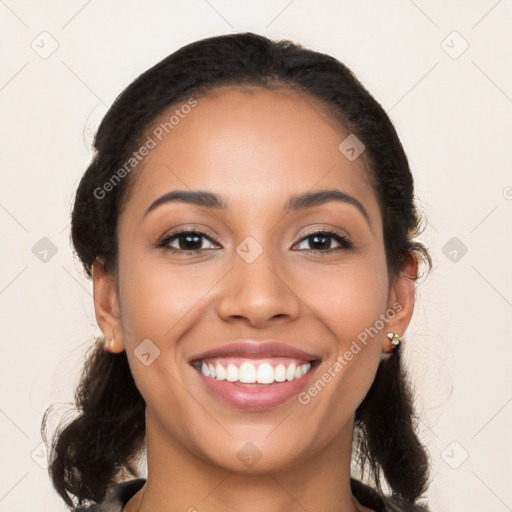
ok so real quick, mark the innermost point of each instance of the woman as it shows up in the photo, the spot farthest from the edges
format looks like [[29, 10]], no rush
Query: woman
[[248, 221]]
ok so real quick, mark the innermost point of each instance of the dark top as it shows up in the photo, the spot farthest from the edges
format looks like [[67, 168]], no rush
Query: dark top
[[122, 493]]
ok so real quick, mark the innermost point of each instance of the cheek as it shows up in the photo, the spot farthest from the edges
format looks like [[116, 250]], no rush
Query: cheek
[[350, 300], [351, 303], [157, 301], [159, 305]]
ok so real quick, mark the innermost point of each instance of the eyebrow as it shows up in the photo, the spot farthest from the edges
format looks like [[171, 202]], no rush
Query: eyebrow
[[295, 202]]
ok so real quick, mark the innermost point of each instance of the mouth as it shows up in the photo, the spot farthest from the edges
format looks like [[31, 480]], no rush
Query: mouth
[[255, 383], [254, 371]]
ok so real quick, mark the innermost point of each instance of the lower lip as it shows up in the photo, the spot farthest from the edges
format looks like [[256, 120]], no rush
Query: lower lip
[[256, 396]]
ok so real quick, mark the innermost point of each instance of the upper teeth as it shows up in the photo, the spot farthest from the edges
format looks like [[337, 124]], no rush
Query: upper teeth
[[248, 373]]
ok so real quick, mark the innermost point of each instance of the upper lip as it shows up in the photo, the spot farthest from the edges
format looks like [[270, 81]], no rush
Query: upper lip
[[251, 348]]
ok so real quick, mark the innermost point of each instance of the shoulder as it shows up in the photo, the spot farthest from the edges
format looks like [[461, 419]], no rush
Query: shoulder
[[369, 497], [117, 497]]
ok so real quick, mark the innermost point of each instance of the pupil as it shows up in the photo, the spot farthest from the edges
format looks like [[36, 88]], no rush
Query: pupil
[[317, 237], [187, 238]]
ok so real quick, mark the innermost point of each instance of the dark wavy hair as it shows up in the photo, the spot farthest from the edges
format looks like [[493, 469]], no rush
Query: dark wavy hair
[[102, 444]]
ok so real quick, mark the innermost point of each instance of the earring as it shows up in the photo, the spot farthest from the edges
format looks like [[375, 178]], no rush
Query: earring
[[394, 338], [107, 343]]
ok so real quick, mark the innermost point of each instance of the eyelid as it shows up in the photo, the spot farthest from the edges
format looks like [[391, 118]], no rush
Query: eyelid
[[324, 230], [189, 228], [330, 230]]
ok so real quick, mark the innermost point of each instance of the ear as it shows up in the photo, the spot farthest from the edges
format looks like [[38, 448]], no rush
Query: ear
[[106, 307], [401, 300]]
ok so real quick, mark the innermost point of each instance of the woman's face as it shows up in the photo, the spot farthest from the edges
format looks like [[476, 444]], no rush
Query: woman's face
[[259, 273]]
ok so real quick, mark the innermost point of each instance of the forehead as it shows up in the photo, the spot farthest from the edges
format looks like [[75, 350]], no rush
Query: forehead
[[252, 145]]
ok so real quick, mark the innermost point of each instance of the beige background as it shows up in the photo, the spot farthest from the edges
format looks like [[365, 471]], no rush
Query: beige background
[[452, 107]]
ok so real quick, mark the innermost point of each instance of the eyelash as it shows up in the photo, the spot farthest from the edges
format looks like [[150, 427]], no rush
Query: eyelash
[[344, 242]]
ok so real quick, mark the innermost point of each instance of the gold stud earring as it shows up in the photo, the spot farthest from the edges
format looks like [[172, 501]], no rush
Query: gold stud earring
[[114, 346], [394, 338], [100, 339], [107, 343]]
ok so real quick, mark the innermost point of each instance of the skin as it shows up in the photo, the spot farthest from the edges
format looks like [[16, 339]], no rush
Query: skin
[[254, 147]]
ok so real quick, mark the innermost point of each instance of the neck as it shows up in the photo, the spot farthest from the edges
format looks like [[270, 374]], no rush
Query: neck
[[178, 480]]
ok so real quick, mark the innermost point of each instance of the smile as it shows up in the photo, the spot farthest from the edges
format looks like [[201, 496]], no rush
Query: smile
[[250, 371], [248, 383]]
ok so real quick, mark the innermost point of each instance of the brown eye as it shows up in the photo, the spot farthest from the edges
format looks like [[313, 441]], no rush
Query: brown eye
[[185, 241], [320, 241]]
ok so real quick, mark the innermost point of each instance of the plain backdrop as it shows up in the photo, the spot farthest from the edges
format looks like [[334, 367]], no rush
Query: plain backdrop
[[442, 71]]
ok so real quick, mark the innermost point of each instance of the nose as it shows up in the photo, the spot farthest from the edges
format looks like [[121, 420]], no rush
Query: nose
[[258, 293]]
